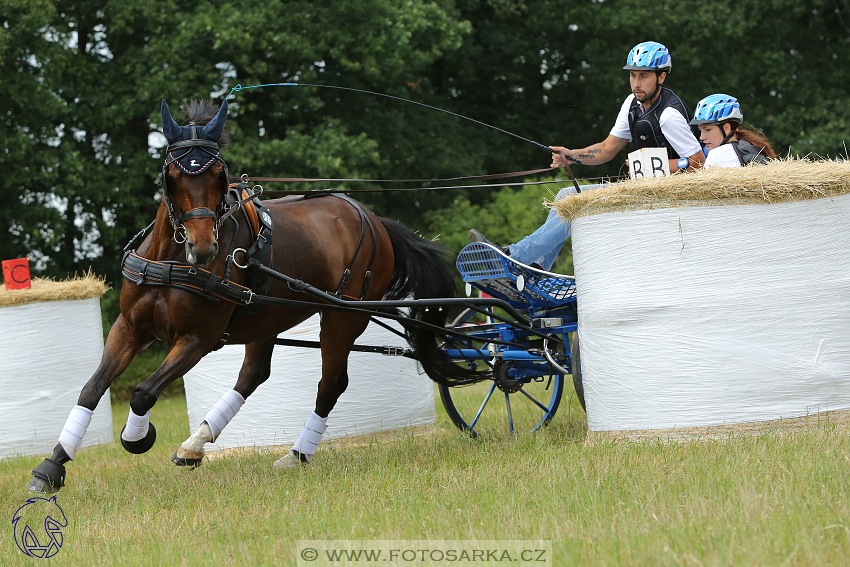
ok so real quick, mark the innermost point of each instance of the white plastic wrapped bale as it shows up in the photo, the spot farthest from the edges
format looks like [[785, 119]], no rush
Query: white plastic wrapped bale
[[48, 351], [715, 311], [384, 393]]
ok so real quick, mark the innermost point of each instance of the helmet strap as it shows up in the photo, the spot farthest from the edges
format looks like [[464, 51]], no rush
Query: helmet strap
[[657, 87], [731, 133]]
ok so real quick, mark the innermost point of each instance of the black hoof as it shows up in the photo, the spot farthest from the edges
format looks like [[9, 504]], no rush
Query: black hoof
[[48, 477], [142, 445], [183, 462]]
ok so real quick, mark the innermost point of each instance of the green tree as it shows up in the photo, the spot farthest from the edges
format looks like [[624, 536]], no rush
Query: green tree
[[85, 79], [81, 84]]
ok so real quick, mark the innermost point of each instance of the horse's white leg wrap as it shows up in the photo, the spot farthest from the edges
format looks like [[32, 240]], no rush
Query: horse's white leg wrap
[[223, 411], [75, 429], [137, 426], [311, 435]]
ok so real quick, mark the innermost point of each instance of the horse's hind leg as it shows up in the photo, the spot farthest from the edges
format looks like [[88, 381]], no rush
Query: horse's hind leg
[[256, 369], [339, 331]]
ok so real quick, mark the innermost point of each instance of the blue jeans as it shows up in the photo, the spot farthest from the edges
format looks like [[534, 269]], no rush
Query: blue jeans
[[545, 243]]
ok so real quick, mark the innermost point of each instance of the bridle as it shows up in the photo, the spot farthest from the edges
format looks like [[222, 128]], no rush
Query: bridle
[[175, 214]]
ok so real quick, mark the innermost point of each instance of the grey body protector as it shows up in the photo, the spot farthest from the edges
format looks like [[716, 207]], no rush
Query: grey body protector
[[747, 153]]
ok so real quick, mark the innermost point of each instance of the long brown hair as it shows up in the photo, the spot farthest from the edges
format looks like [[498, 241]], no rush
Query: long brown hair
[[754, 137]]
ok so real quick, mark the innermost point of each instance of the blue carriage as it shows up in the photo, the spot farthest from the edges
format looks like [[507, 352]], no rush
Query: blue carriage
[[527, 362]]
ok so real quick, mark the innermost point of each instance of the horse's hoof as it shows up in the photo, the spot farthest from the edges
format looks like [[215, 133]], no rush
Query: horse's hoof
[[290, 461], [192, 463], [142, 445], [41, 486], [47, 478]]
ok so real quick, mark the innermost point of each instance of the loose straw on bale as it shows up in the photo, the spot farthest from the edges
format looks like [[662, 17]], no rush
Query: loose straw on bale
[[777, 181], [79, 287]]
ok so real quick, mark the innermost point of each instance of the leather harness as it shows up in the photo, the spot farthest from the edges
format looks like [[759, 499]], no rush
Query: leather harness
[[207, 284]]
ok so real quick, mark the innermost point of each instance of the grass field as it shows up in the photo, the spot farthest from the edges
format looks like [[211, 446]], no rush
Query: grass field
[[768, 500]]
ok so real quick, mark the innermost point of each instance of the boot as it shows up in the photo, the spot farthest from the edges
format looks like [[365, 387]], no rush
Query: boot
[[475, 236]]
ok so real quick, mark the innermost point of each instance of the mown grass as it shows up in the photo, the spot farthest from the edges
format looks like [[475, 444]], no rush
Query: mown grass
[[767, 500]]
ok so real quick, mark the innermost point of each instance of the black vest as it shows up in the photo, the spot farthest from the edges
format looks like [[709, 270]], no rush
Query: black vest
[[645, 127]]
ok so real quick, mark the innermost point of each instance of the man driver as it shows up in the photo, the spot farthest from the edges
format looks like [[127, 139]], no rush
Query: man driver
[[653, 116]]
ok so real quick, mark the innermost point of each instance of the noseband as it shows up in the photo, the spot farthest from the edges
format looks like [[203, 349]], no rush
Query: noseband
[[175, 214]]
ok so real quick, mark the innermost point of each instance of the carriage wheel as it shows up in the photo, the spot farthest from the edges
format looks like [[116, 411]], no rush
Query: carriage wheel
[[577, 381], [491, 404], [500, 402]]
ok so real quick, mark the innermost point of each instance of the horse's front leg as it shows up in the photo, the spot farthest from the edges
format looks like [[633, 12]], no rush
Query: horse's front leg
[[139, 435], [122, 345], [256, 368]]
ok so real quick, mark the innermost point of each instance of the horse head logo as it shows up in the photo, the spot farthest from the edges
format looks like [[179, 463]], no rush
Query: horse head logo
[[48, 519]]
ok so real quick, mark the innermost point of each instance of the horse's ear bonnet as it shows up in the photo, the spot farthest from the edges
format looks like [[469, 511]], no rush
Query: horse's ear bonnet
[[194, 159]]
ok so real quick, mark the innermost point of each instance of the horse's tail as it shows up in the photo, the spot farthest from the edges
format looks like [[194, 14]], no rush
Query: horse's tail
[[422, 270]]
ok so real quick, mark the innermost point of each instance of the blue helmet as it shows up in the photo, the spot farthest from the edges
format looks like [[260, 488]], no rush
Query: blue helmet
[[716, 109], [649, 56]]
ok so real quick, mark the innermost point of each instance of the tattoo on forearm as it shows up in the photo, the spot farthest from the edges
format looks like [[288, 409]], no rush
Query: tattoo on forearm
[[589, 155]]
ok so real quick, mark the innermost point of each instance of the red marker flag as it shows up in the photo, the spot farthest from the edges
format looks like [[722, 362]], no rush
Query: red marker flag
[[16, 273]]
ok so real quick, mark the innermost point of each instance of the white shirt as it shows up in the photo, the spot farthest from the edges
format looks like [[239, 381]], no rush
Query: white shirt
[[722, 156], [673, 125]]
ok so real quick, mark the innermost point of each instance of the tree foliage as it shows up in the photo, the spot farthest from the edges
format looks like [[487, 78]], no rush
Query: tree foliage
[[81, 83]]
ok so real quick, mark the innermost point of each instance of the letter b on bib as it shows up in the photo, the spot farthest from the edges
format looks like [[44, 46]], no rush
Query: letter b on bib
[[649, 162]]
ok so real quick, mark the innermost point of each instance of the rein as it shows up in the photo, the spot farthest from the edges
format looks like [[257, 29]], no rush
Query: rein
[[314, 192], [446, 179]]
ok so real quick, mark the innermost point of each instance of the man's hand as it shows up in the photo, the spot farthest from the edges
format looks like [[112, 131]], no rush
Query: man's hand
[[557, 160], [591, 155]]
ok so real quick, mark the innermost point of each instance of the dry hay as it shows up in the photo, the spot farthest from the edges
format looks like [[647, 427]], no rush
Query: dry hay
[[830, 419], [777, 181], [79, 287]]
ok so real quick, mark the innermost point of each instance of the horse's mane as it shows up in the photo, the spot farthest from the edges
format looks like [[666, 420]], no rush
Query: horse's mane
[[201, 112]]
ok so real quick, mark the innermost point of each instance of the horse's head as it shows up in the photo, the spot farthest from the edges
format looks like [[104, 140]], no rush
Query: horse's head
[[194, 178]]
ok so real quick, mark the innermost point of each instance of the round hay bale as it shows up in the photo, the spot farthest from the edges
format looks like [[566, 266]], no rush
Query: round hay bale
[[385, 393], [714, 302], [51, 344]]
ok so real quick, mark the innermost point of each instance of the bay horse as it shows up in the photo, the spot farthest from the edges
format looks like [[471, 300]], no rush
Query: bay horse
[[315, 240]]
